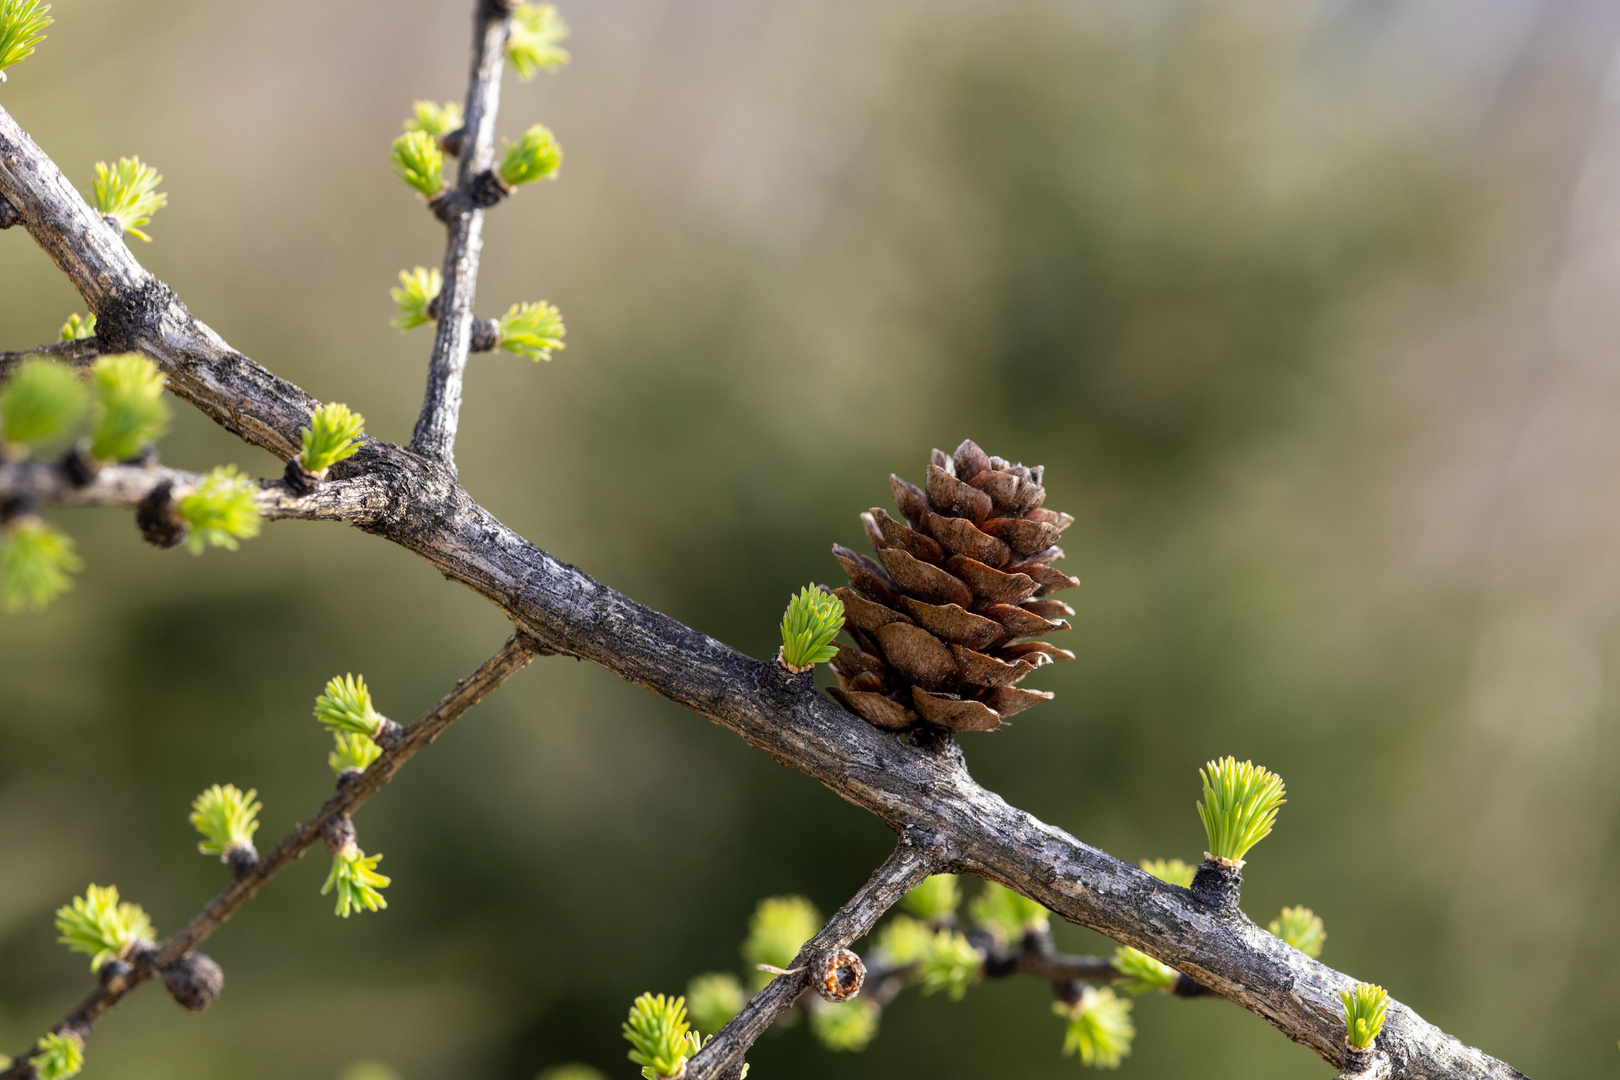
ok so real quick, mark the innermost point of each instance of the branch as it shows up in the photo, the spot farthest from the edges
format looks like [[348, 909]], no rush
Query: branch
[[78, 355], [435, 434], [917, 855], [128, 485], [514, 656], [427, 512]]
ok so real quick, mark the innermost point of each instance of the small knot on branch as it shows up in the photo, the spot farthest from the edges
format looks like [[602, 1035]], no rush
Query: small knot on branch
[[8, 214], [451, 142], [243, 859], [838, 974], [194, 980], [339, 835], [487, 188], [156, 518], [1219, 883], [485, 336], [299, 480]]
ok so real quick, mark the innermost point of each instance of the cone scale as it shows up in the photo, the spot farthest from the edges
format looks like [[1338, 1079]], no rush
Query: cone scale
[[947, 617]]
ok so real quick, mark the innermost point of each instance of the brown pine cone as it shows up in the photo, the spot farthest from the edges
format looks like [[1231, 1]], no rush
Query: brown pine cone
[[946, 615]]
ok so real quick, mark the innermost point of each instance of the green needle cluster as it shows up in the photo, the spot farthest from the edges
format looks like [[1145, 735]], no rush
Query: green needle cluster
[[58, 1057], [535, 156], [936, 899], [226, 816], [78, 329], [813, 619], [950, 964], [846, 1025], [1100, 1028], [98, 924], [419, 162], [533, 45], [22, 25], [532, 330], [434, 120], [1141, 974], [41, 400], [1171, 871], [223, 509], [714, 998], [660, 1038], [345, 707], [1005, 914], [1240, 806], [129, 410], [333, 435], [127, 193], [35, 564], [354, 753], [1364, 1007], [778, 930], [1302, 928], [354, 876], [417, 290]]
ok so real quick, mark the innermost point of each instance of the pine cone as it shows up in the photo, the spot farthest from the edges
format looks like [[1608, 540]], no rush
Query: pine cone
[[945, 615]]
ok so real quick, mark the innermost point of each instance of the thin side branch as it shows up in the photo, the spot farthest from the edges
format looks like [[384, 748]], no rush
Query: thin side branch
[[78, 355], [42, 483], [435, 434], [513, 657], [916, 856]]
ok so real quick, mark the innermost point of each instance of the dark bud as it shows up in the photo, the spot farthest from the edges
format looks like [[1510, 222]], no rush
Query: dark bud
[[338, 834], [8, 214], [449, 204], [486, 335], [487, 189], [433, 308], [114, 969], [18, 506], [388, 734], [299, 479], [1218, 884], [146, 457], [838, 974], [451, 143], [155, 517], [194, 981], [113, 223], [1069, 992], [347, 777], [1185, 987], [243, 859], [79, 467]]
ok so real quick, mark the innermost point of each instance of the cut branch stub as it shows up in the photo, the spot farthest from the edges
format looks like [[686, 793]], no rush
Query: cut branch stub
[[944, 611]]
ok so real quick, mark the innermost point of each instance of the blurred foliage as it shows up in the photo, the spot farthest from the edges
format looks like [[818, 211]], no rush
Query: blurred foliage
[[1160, 252]]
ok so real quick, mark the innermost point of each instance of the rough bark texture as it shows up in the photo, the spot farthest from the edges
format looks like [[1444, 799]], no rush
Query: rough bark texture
[[435, 434], [413, 499]]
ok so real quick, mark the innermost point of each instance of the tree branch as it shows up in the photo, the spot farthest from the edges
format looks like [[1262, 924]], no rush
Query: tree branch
[[435, 434], [513, 657], [427, 512], [42, 482], [917, 855], [78, 355]]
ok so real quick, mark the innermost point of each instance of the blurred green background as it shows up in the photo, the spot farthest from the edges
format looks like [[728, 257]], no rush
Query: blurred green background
[[1308, 308]]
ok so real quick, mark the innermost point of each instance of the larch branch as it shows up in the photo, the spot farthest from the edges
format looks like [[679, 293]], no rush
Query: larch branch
[[513, 657]]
